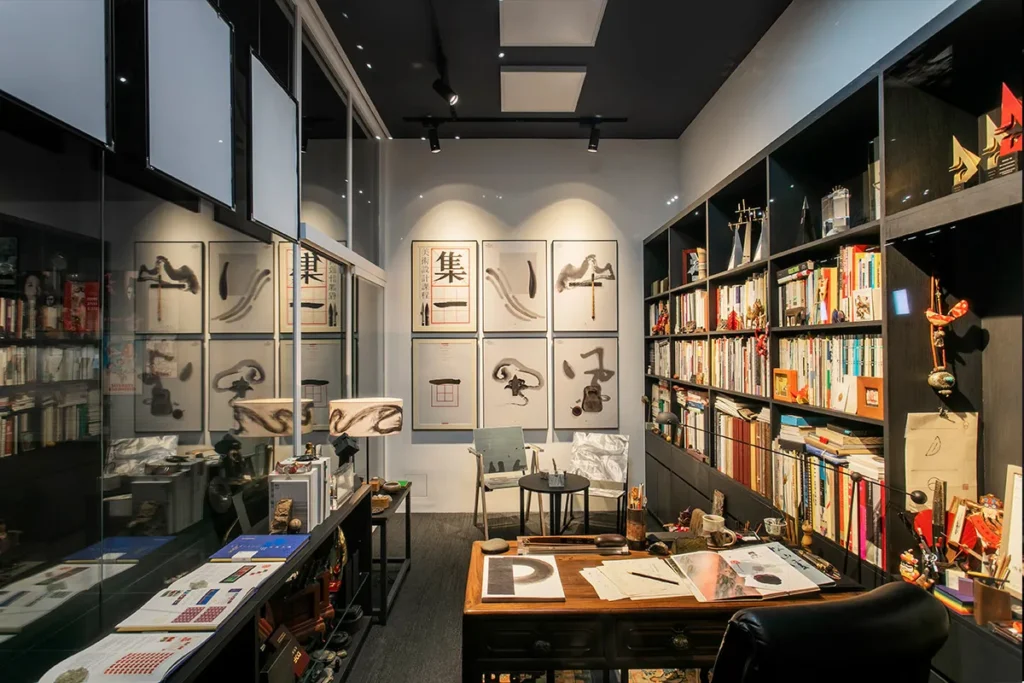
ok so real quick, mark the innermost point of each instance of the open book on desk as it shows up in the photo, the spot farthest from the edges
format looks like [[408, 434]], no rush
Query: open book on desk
[[749, 573]]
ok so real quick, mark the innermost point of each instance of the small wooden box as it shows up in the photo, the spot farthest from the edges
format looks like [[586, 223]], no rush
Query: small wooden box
[[870, 398], [784, 385]]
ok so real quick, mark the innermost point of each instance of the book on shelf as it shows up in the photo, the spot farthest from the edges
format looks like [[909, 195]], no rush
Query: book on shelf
[[693, 432], [743, 445], [736, 365], [825, 363], [753, 572], [18, 365], [12, 318], [691, 312], [747, 300], [659, 357], [691, 360], [260, 548], [845, 288], [661, 402]]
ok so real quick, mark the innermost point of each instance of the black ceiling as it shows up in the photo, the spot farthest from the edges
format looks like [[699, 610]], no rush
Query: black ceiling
[[656, 62]]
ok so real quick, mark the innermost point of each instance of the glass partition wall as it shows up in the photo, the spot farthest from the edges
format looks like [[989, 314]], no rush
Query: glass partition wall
[[138, 316]]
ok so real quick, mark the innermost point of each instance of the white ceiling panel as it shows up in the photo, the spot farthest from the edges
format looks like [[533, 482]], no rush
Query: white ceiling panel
[[541, 89], [550, 23]]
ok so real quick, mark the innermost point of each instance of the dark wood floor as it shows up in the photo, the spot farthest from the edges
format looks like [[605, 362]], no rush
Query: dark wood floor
[[423, 638]]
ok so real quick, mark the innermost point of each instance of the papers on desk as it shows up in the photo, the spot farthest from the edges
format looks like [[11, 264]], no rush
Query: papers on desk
[[618, 579], [747, 573], [128, 658]]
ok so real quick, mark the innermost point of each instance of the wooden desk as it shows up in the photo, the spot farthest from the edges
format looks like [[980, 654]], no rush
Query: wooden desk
[[585, 632]]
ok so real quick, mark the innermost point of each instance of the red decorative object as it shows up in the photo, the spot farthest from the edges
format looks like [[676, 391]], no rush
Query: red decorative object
[[1010, 123], [761, 339], [733, 321], [941, 320]]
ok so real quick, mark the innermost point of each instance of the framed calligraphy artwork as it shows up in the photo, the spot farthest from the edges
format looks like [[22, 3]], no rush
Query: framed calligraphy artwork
[[444, 286], [320, 290], [586, 286], [586, 383]]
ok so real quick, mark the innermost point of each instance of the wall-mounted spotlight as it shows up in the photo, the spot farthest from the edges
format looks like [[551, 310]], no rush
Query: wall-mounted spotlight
[[435, 143], [595, 139], [442, 88]]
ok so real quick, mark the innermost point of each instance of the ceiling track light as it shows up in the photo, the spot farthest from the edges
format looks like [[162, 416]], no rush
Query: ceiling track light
[[595, 139], [435, 143], [442, 88]]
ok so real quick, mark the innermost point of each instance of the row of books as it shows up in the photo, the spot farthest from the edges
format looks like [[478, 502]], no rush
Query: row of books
[[657, 317], [743, 445], [692, 312], [821, 362], [693, 433], [691, 360], [18, 365], [743, 300], [736, 365], [825, 455], [659, 358], [71, 416], [12, 318], [846, 288], [63, 364]]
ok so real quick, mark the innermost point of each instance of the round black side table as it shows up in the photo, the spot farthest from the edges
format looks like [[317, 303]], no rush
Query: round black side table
[[538, 483]]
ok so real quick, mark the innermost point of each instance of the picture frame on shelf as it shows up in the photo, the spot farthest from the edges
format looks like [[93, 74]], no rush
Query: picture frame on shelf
[[444, 286], [870, 398], [783, 384]]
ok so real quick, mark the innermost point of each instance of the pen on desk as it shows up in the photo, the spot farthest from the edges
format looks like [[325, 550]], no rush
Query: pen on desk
[[655, 578]]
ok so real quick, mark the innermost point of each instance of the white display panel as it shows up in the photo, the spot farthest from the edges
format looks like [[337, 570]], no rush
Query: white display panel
[[274, 155], [53, 57], [189, 62]]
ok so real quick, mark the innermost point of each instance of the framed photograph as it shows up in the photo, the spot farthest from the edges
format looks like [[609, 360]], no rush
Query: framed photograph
[[586, 383], [1011, 543], [443, 384], [320, 290], [168, 386], [783, 384], [585, 295], [169, 287], [238, 370], [241, 285], [321, 376], [444, 291], [870, 398], [515, 383], [515, 286]]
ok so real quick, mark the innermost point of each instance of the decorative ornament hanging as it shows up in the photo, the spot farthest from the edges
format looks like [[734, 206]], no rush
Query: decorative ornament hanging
[[761, 341], [940, 378]]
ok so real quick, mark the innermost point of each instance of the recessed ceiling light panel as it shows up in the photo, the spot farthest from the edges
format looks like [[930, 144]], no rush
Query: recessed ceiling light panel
[[550, 23], [541, 89]]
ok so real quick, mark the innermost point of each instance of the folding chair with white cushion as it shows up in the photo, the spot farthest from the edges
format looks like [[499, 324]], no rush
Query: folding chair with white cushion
[[604, 460], [501, 460]]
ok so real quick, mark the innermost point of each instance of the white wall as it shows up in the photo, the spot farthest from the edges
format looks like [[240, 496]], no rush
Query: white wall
[[814, 50], [517, 189]]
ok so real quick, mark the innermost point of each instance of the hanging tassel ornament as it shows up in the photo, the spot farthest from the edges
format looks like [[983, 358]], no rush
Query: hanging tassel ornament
[[940, 378]]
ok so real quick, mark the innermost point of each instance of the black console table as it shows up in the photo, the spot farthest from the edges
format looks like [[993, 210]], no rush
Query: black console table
[[382, 564]]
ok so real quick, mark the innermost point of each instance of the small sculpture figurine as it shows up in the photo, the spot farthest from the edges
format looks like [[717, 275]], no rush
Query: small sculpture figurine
[[940, 378], [806, 540]]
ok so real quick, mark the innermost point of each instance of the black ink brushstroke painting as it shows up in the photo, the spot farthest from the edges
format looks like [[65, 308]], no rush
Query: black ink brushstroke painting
[[380, 419], [587, 274], [518, 379]]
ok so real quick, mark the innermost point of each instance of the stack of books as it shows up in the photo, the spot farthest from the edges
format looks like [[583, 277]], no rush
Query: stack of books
[[959, 599], [659, 358], [844, 288], [743, 444], [692, 312]]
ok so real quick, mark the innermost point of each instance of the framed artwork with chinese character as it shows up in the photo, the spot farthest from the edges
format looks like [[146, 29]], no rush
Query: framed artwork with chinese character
[[320, 285], [241, 287], [515, 286], [515, 383], [169, 287], [444, 286], [586, 383], [321, 375], [444, 384], [586, 286]]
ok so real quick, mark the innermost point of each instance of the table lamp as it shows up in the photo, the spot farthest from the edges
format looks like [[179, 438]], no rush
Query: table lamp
[[263, 417]]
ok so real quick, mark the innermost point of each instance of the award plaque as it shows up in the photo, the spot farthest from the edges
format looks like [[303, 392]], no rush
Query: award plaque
[[965, 165]]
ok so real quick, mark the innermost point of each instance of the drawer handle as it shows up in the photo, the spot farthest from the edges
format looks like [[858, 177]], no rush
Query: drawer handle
[[542, 646], [680, 642]]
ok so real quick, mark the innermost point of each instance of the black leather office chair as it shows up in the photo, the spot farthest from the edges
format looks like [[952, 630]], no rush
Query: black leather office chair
[[888, 634]]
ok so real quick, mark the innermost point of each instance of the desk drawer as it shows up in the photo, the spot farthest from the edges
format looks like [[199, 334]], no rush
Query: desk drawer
[[540, 639], [672, 639]]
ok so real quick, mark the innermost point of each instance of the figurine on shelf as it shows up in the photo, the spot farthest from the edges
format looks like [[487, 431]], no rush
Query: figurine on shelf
[[755, 315], [761, 341], [835, 211], [661, 326], [940, 378], [807, 223], [965, 165]]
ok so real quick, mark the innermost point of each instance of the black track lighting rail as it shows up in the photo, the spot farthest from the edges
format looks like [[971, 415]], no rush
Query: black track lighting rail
[[435, 121]]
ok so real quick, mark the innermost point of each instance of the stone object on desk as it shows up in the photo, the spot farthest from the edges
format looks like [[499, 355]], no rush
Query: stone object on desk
[[295, 526], [391, 487], [658, 548], [495, 546], [697, 520], [609, 540]]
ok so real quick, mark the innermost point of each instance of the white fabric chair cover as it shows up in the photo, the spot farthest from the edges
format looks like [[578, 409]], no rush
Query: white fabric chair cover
[[601, 458]]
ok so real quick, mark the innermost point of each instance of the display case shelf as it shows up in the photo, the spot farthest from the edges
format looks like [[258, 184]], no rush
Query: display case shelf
[[869, 232], [785, 406], [826, 328], [740, 271], [730, 333], [739, 394]]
